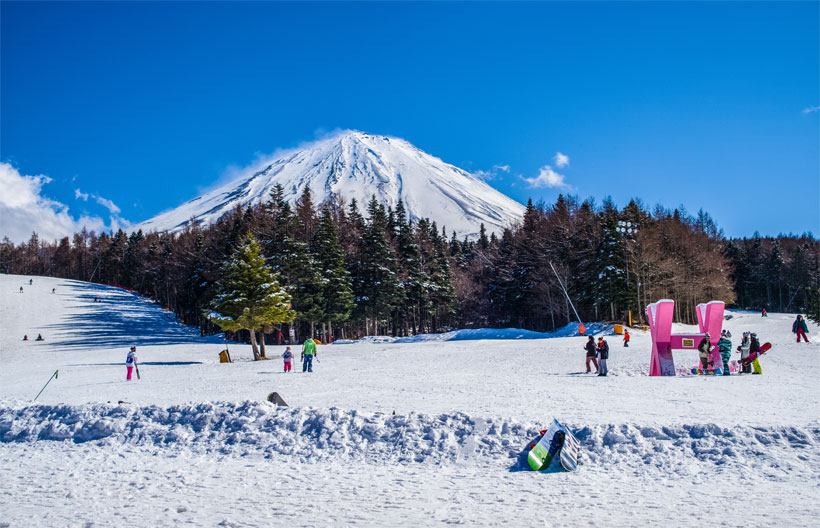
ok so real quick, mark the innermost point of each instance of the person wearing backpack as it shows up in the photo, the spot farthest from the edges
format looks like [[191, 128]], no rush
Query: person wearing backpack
[[603, 355]]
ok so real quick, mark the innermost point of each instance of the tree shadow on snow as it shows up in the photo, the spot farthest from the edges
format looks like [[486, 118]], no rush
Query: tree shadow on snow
[[155, 363], [122, 319]]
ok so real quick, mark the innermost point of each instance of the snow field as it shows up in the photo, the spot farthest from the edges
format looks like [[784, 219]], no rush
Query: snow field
[[196, 444]]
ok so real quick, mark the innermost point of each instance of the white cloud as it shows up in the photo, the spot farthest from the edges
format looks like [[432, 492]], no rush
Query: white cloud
[[108, 204], [24, 209], [561, 160], [547, 177], [505, 168], [811, 109], [492, 173], [80, 195]]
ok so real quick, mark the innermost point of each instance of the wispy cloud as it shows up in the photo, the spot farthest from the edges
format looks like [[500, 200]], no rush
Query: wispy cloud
[[79, 195], [25, 209], [811, 109], [561, 160], [491, 174], [547, 177], [503, 168], [108, 204]]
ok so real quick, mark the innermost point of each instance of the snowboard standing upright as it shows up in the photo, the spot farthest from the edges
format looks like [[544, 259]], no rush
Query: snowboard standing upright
[[555, 441]]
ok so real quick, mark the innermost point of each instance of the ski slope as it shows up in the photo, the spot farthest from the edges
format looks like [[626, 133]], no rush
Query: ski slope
[[429, 430]]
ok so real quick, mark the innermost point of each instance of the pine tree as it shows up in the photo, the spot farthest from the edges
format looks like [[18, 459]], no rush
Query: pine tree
[[337, 293], [249, 296]]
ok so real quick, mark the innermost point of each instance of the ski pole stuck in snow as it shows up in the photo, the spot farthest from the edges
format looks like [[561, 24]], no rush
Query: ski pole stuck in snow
[[53, 376]]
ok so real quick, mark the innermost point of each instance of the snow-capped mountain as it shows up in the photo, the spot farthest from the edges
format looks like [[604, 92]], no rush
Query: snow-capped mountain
[[357, 165]]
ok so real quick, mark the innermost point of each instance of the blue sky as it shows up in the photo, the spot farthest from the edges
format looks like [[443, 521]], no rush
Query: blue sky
[[130, 109]]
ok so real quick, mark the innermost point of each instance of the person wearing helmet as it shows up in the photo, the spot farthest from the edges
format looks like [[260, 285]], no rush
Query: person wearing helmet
[[725, 346], [130, 362], [754, 352]]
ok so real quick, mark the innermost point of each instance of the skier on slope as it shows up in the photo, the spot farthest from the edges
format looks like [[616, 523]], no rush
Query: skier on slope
[[308, 352], [704, 347], [603, 355], [800, 328], [288, 358], [626, 338], [725, 346], [743, 348], [591, 353], [130, 362]]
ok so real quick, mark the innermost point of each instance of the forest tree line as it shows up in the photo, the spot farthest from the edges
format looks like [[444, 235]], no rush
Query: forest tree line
[[352, 273]]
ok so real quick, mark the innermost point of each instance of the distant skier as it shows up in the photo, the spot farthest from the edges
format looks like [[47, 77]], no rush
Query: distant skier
[[53, 290], [288, 357], [591, 354], [21, 289], [25, 338], [754, 354], [703, 351], [603, 355], [745, 367], [39, 337], [763, 313], [130, 362], [30, 282], [800, 328], [626, 338], [308, 352], [725, 346]]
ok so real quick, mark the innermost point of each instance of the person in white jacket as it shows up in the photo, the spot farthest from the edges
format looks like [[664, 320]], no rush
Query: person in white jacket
[[130, 362]]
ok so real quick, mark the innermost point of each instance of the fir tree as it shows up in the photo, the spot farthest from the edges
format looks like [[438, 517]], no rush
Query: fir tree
[[337, 293], [249, 296]]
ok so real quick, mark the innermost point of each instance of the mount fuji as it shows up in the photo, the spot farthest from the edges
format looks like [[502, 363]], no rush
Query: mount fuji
[[357, 165]]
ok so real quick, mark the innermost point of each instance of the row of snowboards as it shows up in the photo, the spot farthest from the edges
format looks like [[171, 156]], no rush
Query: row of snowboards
[[717, 372], [557, 442]]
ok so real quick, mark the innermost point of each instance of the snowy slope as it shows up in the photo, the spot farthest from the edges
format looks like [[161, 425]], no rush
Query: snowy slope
[[197, 444], [358, 165]]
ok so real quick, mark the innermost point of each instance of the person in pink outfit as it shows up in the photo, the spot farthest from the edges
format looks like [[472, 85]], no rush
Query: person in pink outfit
[[288, 357], [130, 362]]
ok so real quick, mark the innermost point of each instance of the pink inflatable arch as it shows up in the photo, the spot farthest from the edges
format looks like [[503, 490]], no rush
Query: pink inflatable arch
[[659, 314]]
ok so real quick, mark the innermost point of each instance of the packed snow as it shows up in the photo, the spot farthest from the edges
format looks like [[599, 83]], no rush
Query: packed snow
[[358, 165], [425, 430]]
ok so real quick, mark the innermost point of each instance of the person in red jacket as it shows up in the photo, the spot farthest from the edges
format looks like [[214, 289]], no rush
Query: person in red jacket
[[626, 338]]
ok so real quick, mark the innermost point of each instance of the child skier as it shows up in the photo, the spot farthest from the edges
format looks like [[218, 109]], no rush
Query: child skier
[[288, 357], [603, 355], [626, 338], [725, 346], [745, 367], [799, 327], [130, 362], [591, 353]]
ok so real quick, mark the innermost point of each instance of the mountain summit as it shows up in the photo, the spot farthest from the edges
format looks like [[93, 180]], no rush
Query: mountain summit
[[356, 165]]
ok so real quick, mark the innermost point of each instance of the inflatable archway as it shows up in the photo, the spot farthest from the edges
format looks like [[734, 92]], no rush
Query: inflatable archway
[[659, 314]]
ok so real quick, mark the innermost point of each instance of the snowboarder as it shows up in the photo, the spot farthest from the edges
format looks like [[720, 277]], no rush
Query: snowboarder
[[39, 337], [288, 357], [591, 353], [763, 313], [745, 367], [603, 355], [308, 352], [725, 346], [25, 338], [754, 352], [130, 362], [799, 327], [704, 347], [626, 338]]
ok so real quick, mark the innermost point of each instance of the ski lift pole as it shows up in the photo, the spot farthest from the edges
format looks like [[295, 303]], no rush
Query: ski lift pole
[[53, 376], [567, 294]]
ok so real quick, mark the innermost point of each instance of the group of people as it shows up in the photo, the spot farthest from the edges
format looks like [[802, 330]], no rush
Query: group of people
[[749, 349], [308, 353], [39, 337], [597, 355]]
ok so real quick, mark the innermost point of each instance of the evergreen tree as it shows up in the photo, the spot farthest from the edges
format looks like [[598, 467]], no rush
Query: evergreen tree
[[337, 293], [249, 295]]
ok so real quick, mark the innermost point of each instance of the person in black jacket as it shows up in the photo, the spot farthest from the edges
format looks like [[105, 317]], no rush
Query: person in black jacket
[[603, 355], [591, 353], [704, 347]]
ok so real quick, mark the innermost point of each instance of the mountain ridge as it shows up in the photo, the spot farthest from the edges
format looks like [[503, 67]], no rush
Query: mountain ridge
[[354, 164]]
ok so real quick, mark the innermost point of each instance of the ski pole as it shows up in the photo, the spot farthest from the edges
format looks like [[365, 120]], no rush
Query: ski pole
[[53, 376]]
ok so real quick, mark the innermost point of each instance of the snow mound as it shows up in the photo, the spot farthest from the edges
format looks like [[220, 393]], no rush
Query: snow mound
[[470, 334], [309, 434]]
